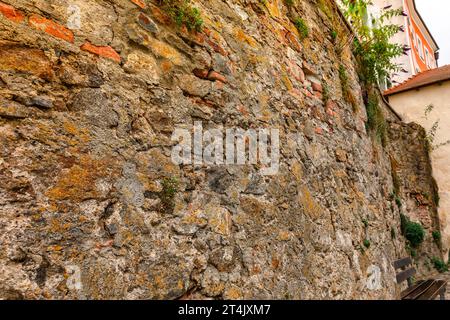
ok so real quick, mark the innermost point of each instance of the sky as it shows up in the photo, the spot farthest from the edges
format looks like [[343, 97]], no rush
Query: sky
[[436, 14]]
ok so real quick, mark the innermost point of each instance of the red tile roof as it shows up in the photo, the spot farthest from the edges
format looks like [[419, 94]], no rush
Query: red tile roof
[[421, 79]]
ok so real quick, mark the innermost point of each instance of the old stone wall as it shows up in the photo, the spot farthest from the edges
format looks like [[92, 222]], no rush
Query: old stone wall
[[417, 195], [91, 205]]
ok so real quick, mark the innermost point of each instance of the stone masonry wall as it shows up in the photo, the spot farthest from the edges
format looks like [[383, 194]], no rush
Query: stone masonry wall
[[90, 93]]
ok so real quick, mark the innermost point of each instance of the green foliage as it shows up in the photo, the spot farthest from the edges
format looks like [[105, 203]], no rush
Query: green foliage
[[302, 28], [437, 237], [169, 190], [373, 48], [289, 2], [365, 223], [183, 14], [366, 243], [376, 121], [431, 134], [333, 35], [398, 202], [412, 252], [414, 233], [440, 265]]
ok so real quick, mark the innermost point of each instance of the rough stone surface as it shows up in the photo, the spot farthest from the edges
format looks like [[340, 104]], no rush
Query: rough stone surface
[[85, 157]]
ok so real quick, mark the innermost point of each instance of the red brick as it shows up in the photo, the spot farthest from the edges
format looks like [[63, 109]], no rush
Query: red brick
[[215, 76], [139, 3], [51, 27], [106, 52], [11, 13], [201, 73], [217, 48], [317, 87]]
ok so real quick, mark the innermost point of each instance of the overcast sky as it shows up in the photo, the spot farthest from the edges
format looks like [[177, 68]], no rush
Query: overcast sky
[[436, 14]]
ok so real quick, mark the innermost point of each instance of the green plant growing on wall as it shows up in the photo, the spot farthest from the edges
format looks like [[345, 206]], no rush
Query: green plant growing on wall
[[183, 13], [333, 35], [373, 47], [414, 233], [437, 237], [440, 265], [169, 190], [376, 121], [412, 252], [365, 223], [289, 2], [366, 243], [431, 133], [302, 28]]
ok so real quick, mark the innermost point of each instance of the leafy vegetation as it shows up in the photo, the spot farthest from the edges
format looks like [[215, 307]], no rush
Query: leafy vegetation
[[302, 27], [376, 121], [440, 265], [169, 190], [289, 2], [372, 46], [183, 14], [365, 223], [412, 252], [431, 134], [366, 243], [413, 232], [437, 237]]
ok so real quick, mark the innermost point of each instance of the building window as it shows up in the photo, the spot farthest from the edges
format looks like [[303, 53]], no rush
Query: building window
[[427, 58], [419, 43]]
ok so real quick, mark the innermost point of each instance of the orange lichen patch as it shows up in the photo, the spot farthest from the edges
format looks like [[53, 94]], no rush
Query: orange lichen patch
[[56, 226], [220, 221], [286, 81], [195, 217], [72, 129], [78, 182], [164, 51], [274, 8], [284, 236], [55, 248], [241, 36], [297, 171], [275, 262], [166, 66], [233, 293], [311, 208], [23, 59]]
